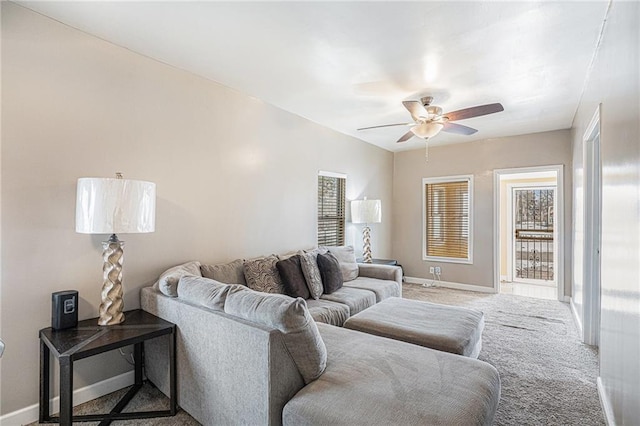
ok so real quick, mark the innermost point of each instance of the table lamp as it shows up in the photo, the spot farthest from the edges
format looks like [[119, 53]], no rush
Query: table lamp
[[114, 206], [366, 211]]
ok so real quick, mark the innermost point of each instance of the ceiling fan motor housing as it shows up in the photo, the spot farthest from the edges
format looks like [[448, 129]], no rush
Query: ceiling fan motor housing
[[426, 100], [434, 110]]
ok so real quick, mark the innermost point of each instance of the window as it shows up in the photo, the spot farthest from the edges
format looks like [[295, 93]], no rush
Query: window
[[331, 208], [447, 221]]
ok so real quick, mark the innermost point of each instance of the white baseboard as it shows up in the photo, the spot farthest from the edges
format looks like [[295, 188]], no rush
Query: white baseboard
[[576, 317], [30, 414], [605, 402], [448, 284]]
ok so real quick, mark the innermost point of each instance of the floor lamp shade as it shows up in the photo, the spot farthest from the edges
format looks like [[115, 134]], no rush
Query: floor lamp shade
[[366, 211], [114, 206]]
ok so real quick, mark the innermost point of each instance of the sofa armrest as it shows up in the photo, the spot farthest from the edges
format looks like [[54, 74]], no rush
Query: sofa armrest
[[381, 272], [222, 362]]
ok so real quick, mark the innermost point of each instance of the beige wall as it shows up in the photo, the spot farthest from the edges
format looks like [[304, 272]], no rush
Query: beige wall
[[479, 159], [614, 83], [235, 178]]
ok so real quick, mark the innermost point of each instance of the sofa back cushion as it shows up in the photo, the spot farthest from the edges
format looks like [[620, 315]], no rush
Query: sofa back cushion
[[347, 259], [168, 281], [262, 275], [291, 317], [330, 272], [292, 277], [228, 273], [206, 292]]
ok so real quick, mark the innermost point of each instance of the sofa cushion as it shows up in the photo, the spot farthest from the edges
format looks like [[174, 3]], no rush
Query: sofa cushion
[[228, 273], [330, 272], [347, 259], [309, 264], [382, 288], [356, 299], [442, 327], [168, 281], [328, 312], [206, 292], [376, 381], [291, 317], [262, 275], [292, 277]]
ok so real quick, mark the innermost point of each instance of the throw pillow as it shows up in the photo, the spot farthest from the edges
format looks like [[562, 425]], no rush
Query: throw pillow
[[347, 259], [287, 255], [168, 281], [228, 273], [262, 275], [206, 292], [330, 272], [292, 277], [292, 318], [309, 264]]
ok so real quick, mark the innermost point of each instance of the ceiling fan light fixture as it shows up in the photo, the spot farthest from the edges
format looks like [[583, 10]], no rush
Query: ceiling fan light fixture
[[427, 130]]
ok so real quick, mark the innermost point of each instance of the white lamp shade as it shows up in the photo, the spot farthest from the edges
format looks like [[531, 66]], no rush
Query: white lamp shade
[[427, 130], [115, 206], [366, 211]]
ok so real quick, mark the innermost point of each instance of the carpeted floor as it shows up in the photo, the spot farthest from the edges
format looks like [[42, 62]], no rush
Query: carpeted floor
[[548, 377], [148, 398]]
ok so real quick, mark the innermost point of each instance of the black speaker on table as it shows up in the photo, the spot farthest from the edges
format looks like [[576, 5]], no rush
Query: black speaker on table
[[64, 309]]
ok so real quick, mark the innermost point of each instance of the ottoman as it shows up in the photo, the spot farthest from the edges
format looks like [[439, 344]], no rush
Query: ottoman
[[441, 327]]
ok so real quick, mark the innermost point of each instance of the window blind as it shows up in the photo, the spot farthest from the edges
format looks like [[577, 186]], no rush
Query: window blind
[[447, 224], [331, 210]]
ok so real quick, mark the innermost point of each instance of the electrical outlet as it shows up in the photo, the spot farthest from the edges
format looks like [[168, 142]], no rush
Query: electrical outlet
[[431, 271], [438, 270]]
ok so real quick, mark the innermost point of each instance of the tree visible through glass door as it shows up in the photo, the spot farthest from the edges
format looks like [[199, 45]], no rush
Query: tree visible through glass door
[[534, 236]]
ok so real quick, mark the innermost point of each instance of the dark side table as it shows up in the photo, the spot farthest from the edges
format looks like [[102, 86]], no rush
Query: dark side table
[[88, 339], [391, 262]]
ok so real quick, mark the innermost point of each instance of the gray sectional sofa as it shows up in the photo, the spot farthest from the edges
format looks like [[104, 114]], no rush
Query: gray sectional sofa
[[237, 368]]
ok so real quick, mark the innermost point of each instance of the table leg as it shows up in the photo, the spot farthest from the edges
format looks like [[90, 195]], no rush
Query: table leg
[[44, 382], [172, 373], [137, 360], [66, 390]]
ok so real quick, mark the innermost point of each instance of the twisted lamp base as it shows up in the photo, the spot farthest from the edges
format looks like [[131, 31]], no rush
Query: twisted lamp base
[[366, 246], [112, 304]]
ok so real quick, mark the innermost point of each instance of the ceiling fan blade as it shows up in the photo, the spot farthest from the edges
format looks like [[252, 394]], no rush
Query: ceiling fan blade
[[458, 129], [385, 125], [406, 137], [475, 111], [416, 109]]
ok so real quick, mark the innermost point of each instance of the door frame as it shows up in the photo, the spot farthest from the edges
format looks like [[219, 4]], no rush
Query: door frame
[[592, 232], [510, 234], [559, 258]]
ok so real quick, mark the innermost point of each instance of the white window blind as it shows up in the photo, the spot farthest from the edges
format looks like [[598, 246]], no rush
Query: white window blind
[[331, 210], [447, 219]]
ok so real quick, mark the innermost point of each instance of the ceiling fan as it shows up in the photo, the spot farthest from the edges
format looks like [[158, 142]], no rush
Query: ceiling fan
[[428, 120]]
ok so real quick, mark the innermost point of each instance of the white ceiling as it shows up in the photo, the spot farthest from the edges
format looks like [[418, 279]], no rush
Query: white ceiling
[[347, 65]]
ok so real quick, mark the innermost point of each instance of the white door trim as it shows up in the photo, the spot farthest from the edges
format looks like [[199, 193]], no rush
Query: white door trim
[[592, 229], [559, 228]]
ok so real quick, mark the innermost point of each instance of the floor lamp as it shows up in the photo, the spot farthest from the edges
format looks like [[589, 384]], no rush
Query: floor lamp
[[114, 206], [366, 211]]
